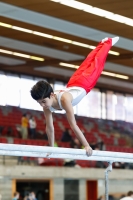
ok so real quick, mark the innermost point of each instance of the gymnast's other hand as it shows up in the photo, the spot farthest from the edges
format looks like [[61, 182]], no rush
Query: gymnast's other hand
[[88, 150]]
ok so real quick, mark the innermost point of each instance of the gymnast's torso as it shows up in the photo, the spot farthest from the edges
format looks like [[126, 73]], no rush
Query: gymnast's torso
[[77, 94]]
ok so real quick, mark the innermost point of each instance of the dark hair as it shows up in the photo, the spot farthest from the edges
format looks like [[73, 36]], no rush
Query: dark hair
[[130, 193], [41, 90], [25, 114]]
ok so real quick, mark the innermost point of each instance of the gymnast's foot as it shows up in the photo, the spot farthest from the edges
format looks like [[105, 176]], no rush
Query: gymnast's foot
[[114, 40]]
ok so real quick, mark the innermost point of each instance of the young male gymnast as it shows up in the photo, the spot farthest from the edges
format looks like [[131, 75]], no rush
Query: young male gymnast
[[81, 82]]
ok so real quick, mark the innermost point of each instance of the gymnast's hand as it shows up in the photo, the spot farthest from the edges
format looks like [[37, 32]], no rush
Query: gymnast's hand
[[88, 150]]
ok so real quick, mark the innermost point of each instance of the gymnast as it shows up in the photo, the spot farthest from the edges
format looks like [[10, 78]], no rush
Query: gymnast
[[79, 85]]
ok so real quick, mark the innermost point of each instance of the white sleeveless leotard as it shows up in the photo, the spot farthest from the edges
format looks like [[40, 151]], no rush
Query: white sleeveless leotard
[[77, 93]]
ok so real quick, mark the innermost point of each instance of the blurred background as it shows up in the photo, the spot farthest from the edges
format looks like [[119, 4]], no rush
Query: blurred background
[[48, 40]]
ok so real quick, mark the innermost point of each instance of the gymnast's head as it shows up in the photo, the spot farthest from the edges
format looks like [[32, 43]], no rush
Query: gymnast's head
[[41, 90]]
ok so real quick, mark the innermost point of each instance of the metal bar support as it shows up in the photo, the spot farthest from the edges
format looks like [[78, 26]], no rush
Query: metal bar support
[[108, 169]]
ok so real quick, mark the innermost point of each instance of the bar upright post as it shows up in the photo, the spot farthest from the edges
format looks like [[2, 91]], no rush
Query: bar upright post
[[108, 169]]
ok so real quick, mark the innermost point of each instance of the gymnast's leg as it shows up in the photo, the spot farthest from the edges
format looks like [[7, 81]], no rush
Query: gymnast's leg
[[89, 71]]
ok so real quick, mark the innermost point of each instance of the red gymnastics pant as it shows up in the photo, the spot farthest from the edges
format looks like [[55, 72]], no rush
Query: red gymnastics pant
[[89, 71]]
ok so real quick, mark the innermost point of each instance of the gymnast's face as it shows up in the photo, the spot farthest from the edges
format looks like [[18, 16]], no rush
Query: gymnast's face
[[46, 102]]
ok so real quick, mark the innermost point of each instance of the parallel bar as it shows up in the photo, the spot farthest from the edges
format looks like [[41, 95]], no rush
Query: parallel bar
[[64, 156], [57, 152], [47, 149]]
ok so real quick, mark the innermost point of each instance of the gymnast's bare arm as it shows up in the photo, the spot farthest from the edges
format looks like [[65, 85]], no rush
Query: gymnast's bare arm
[[67, 105], [49, 126]]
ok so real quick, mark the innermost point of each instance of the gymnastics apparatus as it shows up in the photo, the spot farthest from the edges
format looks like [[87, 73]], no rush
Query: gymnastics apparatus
[[69, 153]]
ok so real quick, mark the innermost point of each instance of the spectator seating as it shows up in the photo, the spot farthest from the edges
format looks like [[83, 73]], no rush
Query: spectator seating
[[95, 130]]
